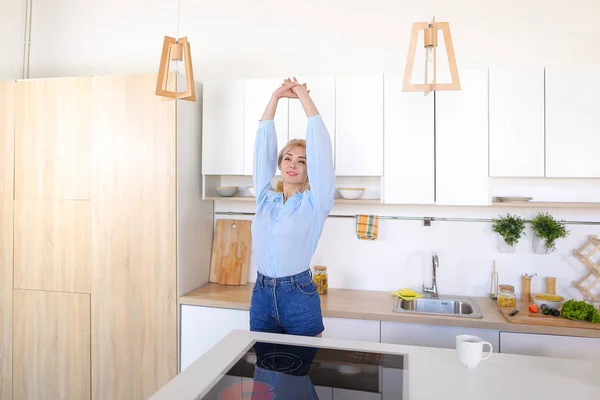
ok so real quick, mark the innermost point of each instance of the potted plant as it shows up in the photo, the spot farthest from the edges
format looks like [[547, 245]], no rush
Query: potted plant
[[547, 230], [510, 229]]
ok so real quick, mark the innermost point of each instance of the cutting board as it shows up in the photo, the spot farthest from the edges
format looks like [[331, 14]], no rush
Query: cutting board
[[526, 317], [231, 252]]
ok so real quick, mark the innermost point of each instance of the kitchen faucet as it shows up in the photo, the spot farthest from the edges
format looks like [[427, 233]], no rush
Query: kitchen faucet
[[433, 291]]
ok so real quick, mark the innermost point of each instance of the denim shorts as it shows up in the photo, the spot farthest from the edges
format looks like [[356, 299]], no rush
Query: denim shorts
[[289, 305]]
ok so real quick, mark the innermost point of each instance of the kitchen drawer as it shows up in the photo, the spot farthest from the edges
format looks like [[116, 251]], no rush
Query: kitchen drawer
[[432, 335], [550, 346]]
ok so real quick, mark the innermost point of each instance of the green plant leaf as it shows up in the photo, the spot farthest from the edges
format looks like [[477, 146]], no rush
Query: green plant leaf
[[546, 227], [510, 227]]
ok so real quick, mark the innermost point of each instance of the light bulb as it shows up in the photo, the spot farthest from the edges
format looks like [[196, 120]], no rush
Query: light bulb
[[429, 54]]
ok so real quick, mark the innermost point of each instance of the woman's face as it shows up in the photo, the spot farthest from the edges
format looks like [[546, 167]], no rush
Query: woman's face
[[293, 166]]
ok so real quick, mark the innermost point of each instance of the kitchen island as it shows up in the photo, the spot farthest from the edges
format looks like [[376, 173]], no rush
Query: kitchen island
[[381, 371]]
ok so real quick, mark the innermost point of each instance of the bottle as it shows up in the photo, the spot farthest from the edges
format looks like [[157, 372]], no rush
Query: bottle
[[494, 284], [320, 278]]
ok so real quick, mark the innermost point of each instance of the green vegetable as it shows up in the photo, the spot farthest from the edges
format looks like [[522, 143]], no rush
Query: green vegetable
[[544, 306], [555, 312], [580, 310], [546, 310], [549, 229], [510, 228]]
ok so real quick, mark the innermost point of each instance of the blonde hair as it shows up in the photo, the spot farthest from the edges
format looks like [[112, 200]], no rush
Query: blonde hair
[[292, 144]]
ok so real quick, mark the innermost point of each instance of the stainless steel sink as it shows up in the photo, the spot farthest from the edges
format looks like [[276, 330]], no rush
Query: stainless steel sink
[[458, 306]]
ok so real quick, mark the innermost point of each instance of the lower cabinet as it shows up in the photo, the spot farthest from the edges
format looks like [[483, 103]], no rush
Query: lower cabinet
[[432, 335], [550, 346], [203, 327], [352, 329]]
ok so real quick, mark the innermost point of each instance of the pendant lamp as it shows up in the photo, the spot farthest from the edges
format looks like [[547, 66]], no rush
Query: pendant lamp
[[430, 42], [175, 62]]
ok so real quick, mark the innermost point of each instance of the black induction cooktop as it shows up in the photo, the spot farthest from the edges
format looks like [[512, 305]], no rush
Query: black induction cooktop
[[269, 371]]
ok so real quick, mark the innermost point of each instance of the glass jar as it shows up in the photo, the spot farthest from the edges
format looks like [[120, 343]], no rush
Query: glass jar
[[320, 278], [506, 296]]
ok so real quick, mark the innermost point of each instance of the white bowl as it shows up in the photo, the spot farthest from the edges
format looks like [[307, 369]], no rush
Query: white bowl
[[552, 304], [227, 191], [251, 191], [351, 193]]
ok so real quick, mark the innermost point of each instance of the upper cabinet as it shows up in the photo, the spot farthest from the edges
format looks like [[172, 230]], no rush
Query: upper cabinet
[[462, 142], [359, 125], [258, 93], [322, 92], [223, 128], [516, 122], [409, 175], [52, 139], [572, 132]]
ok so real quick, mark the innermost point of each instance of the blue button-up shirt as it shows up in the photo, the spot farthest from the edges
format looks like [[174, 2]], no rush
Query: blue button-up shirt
[[285, 235]]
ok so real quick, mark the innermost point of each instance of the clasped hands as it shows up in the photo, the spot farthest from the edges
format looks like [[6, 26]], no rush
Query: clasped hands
[[291, 89]]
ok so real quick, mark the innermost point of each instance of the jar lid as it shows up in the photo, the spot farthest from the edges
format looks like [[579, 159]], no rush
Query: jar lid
[[508, 288], [320, 268]]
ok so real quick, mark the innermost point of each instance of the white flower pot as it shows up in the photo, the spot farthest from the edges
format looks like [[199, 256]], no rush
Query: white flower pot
[[504, 247], [539, 245]]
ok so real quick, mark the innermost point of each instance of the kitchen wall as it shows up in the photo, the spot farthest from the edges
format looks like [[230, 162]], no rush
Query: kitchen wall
[[12, 23], [266, 38]]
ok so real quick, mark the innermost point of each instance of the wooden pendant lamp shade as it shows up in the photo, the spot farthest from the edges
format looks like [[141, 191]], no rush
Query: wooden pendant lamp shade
[[175, 51], [430, 39]]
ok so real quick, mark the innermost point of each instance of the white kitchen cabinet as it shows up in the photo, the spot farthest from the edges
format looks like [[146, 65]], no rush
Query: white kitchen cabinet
[[516, 122], [462, 142], [322, 92], [409, 164], [203, 327], [550, 346], [432, 335], [345, 394], [572, 129], [223, 128], [257, 94], [351, 329], [359, 125], [324, 392]]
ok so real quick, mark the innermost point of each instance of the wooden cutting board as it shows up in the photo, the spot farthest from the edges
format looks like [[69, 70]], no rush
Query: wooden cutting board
[[526, 317], [231, 252]]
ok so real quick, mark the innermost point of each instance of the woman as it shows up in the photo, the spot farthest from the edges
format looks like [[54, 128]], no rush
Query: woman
[[287, 226]]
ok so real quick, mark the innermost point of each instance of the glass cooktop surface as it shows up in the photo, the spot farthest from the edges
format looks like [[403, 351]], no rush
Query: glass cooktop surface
[[270, 371]]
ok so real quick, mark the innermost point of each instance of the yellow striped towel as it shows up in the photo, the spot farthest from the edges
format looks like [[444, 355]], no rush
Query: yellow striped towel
[[366, 227]]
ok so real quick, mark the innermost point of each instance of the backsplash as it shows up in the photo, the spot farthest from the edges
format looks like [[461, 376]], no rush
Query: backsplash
[[401, 256]]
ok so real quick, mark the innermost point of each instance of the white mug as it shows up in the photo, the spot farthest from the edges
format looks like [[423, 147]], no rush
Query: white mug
[[469, 349]]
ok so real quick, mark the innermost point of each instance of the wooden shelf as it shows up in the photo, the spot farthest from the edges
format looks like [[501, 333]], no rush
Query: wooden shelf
[[252, 199], [547, 204]]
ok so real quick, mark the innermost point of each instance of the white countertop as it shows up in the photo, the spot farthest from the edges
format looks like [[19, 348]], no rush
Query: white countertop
[[432, 373]]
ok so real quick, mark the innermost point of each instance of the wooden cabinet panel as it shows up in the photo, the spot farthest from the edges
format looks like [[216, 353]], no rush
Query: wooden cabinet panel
[[409, 153], [223, 128], [52, 139], [133, 219], [258, 93], [572, 131], [6, 235], [52, 245], [359, 125], [462, 142], [51, 345], [517, 122]]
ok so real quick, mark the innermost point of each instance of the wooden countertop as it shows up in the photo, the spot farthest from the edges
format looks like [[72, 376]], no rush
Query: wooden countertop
[[377, 306]]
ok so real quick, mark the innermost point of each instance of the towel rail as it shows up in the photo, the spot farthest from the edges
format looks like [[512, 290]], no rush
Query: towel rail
[[426, 220]]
